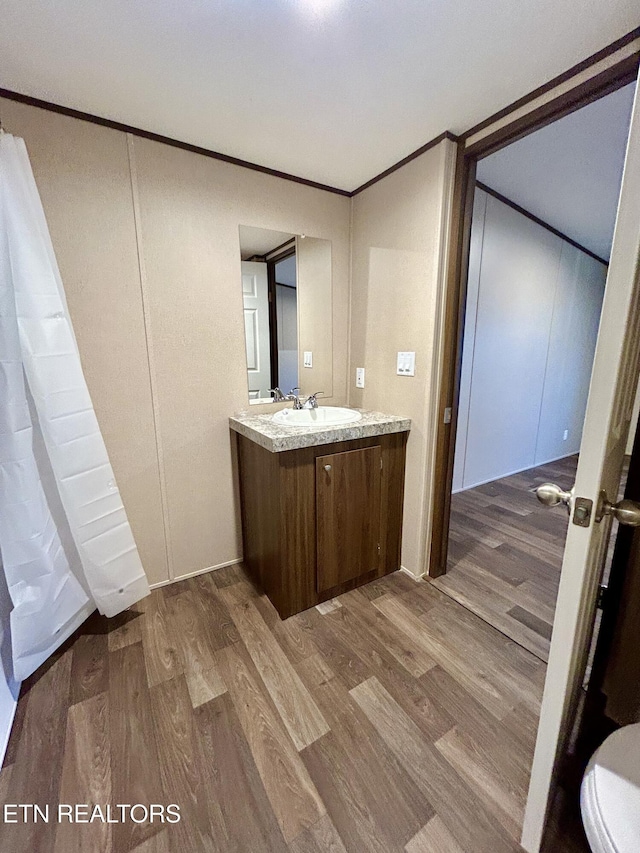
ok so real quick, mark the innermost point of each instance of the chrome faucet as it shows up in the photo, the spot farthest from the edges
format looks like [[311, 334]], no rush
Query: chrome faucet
[[294, 395], [311, 402]]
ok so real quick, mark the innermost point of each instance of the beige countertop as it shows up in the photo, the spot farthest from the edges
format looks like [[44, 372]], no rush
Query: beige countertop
[[277, 438]]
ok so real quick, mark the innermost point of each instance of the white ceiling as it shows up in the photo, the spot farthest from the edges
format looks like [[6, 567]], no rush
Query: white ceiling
[[259, 241], [568, 174], [331, 90]]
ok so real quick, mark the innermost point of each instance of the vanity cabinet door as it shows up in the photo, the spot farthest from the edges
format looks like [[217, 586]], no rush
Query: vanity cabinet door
[[348, 492]]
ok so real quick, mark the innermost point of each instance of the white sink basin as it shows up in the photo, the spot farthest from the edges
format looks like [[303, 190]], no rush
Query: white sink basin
[[322, 416]]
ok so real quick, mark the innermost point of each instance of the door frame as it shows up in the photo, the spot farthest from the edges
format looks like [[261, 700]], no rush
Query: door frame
[[271, 259], [621, 62]]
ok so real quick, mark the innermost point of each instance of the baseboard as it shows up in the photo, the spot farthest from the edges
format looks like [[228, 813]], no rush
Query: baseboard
[[196, 573], [412, 575], [511, 473]]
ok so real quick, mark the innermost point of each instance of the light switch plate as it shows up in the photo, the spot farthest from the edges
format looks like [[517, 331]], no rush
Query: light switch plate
[[359, 377], [406, 364], [308, 359]]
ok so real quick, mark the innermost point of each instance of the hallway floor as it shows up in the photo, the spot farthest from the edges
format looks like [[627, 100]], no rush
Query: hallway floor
[[391, 719], [505, 553]]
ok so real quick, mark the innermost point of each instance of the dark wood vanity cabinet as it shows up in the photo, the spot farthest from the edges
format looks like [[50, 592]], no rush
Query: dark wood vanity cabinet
[[318, 521]]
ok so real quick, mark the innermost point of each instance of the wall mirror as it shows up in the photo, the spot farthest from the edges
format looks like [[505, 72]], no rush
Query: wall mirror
[[286, 295]]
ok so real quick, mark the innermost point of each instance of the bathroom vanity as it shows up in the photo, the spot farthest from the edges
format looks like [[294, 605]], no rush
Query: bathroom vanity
[[321, 506]]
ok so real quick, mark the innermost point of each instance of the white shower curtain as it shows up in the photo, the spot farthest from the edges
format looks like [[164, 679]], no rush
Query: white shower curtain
[[65, 541]]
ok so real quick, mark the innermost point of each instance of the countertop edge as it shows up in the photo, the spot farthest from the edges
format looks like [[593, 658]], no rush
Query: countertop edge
[[383, 425]]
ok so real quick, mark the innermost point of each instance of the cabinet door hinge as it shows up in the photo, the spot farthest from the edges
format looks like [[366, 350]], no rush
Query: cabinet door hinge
[[381, 463], [603, 596]]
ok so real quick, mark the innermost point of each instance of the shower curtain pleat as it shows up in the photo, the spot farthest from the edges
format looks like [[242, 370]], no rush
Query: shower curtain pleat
[[65, 540]]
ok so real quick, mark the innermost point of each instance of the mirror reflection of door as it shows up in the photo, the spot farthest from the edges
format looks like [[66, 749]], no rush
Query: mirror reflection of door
[[288, 313], [284, 336], [255, 297]]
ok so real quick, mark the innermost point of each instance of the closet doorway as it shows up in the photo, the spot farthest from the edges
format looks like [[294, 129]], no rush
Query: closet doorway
[[543, 217]]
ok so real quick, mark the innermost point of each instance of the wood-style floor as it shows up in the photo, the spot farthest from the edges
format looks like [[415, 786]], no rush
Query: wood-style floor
[[505, 553], [391, 719]]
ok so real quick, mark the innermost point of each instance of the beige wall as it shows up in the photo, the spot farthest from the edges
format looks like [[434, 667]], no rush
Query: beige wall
[[146, 237], [189, 210], [313, 259], [82, 173], [398, 225]]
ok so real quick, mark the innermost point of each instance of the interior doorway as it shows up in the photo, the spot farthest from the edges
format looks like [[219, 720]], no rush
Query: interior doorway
[[543, 216]]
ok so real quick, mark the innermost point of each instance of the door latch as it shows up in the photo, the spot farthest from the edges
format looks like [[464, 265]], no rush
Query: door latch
[[582, 509]]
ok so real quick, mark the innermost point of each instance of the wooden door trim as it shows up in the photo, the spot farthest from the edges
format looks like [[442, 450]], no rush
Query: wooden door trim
[[271, 259], [596, 87], [602, 84]]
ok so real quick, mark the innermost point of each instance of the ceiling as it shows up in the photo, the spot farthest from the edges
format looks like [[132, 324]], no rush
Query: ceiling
[[568, 173], [334, 91], [259, 241]]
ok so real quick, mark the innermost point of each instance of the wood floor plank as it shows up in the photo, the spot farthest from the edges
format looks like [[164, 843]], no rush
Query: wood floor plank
[[322, 837], [370, 798], [41, 745], [135, 770], [535, 601], [226, 576], [300, 714], [397, 582], [125, 629], [159, 644], [434, 838], [371, 621], [86, 775], [89, 668], [328, 606], [156, 844], [330, 693], [292, 794], [371, 644], [508, 742], [484, 777], [529, 620], [180, 767], [241, 815], [464, 667], [433, 775], [215, 615], [5, 778], [428, 725], [342, 659], [516, 672], [349, 627], [488, 604], [197, 655], [296, 643]]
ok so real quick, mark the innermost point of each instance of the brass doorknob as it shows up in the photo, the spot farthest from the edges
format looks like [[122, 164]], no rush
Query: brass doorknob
[[626, 512], [551, 495]]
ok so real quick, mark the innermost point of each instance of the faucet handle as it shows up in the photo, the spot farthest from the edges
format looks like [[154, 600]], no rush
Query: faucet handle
[[311, 401], [278, 396]]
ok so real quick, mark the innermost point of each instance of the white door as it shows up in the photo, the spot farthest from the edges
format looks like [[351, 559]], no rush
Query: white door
[[611, 396], [255, 297]]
